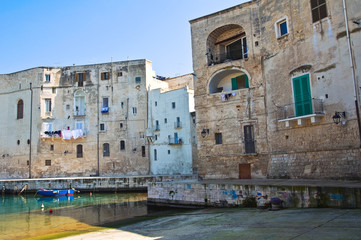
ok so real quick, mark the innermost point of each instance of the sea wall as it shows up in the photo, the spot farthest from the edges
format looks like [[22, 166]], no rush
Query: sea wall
[[252, 195]]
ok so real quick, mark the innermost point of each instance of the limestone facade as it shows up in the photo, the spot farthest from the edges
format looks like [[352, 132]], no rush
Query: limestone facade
[[100, 110], [270, 76]]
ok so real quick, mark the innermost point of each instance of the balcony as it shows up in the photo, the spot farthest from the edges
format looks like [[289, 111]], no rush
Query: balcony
[[298, 113], [157, 128], [178, 125], [64, 134], [79, 113], [226, 57], [175, 141]]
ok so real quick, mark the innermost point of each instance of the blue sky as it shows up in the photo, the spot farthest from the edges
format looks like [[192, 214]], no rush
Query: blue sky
[[66, 32]]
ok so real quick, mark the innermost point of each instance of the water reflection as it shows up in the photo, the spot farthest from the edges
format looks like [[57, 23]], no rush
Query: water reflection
[[23, 216]]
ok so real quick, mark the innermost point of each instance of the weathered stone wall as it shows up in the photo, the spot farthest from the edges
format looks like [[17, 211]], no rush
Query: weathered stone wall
[[292, 146]]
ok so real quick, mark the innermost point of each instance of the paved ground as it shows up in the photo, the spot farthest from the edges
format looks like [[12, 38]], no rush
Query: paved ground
[[239, 223]]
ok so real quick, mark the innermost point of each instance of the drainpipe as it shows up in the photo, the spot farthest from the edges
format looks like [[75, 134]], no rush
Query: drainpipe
[[353, 71], [98, 167], [31, 127]]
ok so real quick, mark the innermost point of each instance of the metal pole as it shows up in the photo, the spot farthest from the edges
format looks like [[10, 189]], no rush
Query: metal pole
[[353, 71], [31, 120]]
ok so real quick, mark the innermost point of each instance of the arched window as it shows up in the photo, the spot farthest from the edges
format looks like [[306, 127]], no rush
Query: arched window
[[79, 103], [20, 112], [106, 152], [228, 80], [79, 151]]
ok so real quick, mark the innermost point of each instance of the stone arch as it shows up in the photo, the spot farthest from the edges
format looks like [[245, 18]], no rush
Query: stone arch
[[226, 43], [229, 79]]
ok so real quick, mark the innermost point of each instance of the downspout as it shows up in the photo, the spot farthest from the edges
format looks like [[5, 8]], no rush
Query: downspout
[[98, 167], [148, 127], [352, 70], [31, 127]]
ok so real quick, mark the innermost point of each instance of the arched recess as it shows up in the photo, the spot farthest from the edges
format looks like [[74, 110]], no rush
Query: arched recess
[[20, 109], [226, 43], [79, 103], [227, 80]]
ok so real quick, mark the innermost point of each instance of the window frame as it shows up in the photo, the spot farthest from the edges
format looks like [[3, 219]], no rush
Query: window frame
[[122, 145], [278, 29], [138, 80], [218, 138], [106, 150], [47, 78], [79, 151], [317, 7], [47, 108]]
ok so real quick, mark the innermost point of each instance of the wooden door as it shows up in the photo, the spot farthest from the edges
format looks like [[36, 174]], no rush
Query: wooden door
[[245, 171]]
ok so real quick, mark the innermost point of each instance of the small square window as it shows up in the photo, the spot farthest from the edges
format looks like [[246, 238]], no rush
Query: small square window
[[281, 27], [173, 105], [120, 74], [137, 79], [134, 111], [53, 90], [47, 162], [102, 127], [105, 76], [47, 77]]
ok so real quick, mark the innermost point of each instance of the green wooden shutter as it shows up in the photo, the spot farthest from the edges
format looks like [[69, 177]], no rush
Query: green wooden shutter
[[302, 95], [234, 83], [246, 84]]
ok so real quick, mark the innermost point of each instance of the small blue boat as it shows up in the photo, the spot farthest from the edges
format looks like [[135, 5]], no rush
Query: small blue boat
[[55, 193]]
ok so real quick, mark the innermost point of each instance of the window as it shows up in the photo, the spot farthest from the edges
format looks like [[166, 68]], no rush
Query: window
[[20, 109], [47, 127], [122, 104], [80, 78], [79, 125], [47, 162], [122, 145], [106, 152], [102, 127], [176, 138], [319, 10], [237, 49], [155, 154], [156, 103], [47, 106], [105, 76], [156, 125], [79, 151], [120, 74], [249, 141], [137, 79], [302, 95], [141, 134], [143, 151], [168, 151], [47, 77], [281, 28], [173, 105], [156, 137], [134, 111], [165, 120], [177, 123], [218, 137], [240, 82], [51, 147], [67, 107], [121, 125], [53, 90], [79, 103], [105, 108]]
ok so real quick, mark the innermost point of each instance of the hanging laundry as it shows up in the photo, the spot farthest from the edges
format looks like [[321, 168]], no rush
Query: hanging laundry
[[77, 133], [67, 134], [223, 96], [234, 94]]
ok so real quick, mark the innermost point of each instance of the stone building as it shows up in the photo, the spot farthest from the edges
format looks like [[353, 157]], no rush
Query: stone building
[[271, 79], [171, 122], [75, 121]]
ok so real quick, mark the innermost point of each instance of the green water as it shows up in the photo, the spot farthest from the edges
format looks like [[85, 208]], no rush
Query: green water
[[22, 217]]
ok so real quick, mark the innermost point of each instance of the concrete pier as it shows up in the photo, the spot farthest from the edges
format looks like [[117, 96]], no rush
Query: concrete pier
[[87, 184]]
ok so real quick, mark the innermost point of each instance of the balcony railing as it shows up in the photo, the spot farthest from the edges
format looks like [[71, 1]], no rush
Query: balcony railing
[[157, 128], [225, 57], [173, 141], [299, 109], [79, 112], [178, 125]]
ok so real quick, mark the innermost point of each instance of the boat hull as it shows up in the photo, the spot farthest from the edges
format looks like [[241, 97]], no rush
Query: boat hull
[[56, 193]]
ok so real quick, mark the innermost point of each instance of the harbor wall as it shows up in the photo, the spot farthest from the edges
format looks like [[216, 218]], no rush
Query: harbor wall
[[252, 195]]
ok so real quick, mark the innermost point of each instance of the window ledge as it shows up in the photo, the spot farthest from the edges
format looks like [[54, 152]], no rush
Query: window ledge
[[283, 36], [250, 154], [300, 120]]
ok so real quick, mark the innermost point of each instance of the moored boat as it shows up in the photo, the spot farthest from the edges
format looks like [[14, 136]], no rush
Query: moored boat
[[55, 193]]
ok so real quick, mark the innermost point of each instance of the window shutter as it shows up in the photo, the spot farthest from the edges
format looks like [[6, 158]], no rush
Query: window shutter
[[76, 77], [246, 84], [102, 76], [84, 76], [302, 95], [234, 83]]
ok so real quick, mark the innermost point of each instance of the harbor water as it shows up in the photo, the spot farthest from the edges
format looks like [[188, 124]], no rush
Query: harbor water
[[35, 217]]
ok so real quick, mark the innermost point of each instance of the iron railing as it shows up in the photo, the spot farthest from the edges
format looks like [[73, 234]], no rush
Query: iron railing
[[173, 141], [177, 124], [297, 109]]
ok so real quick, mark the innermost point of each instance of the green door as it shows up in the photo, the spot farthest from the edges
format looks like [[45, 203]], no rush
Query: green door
[[302, 95], [240, 82]]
